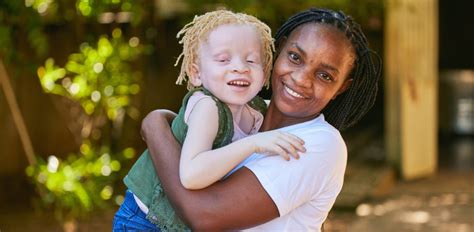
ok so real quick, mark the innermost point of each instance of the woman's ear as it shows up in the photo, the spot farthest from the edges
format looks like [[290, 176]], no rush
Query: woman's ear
[[347, 83], [195, 78]]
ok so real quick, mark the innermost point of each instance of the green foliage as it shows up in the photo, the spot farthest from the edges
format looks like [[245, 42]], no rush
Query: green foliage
[[16, 23], [23, 22], [82, 183], [74, 10], [91, 8], [99, 78], [274, 12]]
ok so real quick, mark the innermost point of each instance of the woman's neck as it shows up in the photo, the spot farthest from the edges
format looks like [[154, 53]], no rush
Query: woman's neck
[[275, 119]]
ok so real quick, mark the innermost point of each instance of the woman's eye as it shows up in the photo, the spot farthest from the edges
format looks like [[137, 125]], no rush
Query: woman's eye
[[325, 76], [294, 57], [250, 61]]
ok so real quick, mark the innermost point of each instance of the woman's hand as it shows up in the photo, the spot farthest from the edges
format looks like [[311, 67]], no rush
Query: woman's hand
[[277, 143], [156, 119]]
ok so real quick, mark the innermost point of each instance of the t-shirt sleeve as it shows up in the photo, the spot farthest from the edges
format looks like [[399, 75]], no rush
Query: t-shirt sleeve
[[316, 178]]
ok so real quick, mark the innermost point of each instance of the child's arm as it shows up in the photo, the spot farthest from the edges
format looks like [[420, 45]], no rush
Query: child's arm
[[200, 166]]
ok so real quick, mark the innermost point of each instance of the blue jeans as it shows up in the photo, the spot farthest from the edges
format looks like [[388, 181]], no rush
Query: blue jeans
[[129, 217]]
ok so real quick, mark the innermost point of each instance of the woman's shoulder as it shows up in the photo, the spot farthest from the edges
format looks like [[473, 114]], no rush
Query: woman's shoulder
[[315, 130], [323, 139]]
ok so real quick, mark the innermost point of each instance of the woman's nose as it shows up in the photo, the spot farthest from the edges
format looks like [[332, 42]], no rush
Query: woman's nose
[[301, 78]]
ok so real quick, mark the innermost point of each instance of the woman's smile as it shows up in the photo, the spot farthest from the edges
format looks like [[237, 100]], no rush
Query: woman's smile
[[292, 92]]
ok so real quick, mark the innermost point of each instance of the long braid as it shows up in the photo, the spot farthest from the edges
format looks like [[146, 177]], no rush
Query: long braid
[[356, 101]]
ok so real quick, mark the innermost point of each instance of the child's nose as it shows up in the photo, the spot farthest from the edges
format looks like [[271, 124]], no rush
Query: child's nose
[[240, 66]]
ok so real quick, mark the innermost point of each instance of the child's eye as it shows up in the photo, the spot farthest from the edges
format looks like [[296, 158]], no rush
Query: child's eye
[[253, 59], [222, 58], [295, 58]]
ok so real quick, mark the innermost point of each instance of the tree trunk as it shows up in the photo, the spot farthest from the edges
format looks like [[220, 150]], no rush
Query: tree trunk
[[16, 114]]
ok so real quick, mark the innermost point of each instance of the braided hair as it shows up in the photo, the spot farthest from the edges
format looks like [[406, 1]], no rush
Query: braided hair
[[197, 31], [355, 102]]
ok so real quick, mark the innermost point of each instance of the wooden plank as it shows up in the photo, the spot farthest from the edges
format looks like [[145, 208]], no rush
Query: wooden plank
[[412, 77]]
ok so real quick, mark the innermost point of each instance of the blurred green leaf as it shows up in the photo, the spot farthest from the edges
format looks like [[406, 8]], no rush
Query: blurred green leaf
[[81, 183], [100, 78]]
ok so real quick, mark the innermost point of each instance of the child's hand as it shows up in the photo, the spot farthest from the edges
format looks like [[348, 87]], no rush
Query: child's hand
[[277, 143]]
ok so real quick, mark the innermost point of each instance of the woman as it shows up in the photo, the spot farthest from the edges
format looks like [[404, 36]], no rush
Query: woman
[[324, 79]]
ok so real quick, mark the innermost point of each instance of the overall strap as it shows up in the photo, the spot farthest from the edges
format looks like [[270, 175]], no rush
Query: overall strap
[[225, 130], [258, 104]]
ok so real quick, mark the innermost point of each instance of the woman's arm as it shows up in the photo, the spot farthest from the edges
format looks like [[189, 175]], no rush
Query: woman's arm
[[235, 203], [162, 114]]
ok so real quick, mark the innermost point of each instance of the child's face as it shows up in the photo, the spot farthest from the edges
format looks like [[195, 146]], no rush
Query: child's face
[[230, 64]]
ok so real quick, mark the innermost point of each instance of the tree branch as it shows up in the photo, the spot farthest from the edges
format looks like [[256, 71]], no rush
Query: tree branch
[[16, 113]]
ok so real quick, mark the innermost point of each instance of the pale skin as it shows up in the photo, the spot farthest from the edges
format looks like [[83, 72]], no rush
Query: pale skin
[[314, 61], [233, 73]]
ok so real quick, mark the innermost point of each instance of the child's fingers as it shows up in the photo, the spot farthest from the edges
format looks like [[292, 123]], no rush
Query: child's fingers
[[295, 141], [295, 137], [289, 148], [279, 150]]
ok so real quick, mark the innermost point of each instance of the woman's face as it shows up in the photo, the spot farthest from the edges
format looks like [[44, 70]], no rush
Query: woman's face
[[311, 69]]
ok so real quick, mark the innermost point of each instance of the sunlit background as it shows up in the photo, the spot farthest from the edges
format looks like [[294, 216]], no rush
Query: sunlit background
[[78, 76]]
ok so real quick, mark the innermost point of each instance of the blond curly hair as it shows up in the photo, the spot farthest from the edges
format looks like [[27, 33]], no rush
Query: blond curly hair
[[198, 30]]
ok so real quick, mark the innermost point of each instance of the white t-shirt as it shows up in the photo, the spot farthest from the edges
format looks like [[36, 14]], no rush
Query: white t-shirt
[[303, 190]]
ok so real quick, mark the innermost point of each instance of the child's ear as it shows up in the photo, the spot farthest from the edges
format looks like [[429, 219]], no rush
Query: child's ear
[[347, 83], [195, 77]]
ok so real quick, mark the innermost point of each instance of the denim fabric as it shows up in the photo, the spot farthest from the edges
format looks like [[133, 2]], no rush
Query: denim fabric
[[129, 217]]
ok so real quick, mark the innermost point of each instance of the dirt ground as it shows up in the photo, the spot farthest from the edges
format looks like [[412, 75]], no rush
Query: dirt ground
[[442, 203]]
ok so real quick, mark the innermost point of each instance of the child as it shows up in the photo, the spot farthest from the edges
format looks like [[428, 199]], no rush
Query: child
[[227, 57]]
